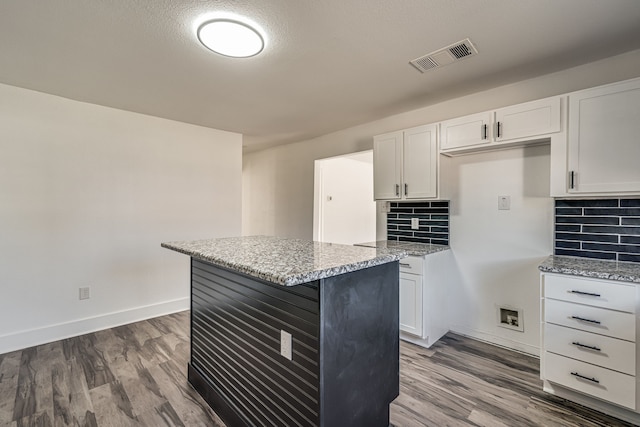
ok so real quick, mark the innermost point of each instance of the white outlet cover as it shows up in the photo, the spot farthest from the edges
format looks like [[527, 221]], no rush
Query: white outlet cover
[[415, 223], [285, 344]]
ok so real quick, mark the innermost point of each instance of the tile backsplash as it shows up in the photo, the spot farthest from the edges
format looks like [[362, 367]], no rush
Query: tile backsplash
[[603, 229], [433, 222]]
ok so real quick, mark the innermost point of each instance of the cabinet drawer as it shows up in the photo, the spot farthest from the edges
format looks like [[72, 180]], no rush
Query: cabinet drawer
[[599, 350], [592, 292], [411, 264], [591, 319], [593, 380]]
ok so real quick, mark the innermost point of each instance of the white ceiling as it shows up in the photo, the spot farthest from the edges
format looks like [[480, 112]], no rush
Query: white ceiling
[[328, 64]]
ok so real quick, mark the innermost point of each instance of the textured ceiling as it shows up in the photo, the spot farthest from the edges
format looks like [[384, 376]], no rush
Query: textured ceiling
[[328, 64]]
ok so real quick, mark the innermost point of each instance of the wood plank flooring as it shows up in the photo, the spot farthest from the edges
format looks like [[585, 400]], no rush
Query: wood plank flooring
[[135, 375]]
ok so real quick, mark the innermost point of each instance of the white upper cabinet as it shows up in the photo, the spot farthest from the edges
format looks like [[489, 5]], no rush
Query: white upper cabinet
[[467, 131], [527, 120], [420, 162], [387, 166], [603, 148], [405, 164], [514, 125]]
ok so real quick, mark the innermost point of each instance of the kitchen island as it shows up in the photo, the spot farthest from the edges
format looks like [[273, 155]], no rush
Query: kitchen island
[[291, 332]]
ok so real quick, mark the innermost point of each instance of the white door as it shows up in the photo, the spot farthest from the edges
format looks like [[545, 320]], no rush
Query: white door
[[411, 303], [387, 166], [420, 162], [604, 139], [344, 209]]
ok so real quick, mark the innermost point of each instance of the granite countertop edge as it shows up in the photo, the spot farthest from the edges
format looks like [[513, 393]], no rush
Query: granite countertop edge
[[411, 248], [260, 271], [594, 268]]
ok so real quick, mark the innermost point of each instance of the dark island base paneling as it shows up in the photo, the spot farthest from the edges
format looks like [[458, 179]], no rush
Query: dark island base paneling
[[359, 354], [345, 365], [235, 347]]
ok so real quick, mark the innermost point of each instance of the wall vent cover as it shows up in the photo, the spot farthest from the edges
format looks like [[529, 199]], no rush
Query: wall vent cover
[[445, 56]]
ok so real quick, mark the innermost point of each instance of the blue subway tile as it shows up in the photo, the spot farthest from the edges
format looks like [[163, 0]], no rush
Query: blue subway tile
[[631, 203], [611, 230], [612, 212], [432, 210], [605, 247], [440, 217], [442, 204], [582, 237], [414, 205], [633, 240], [586, 254], [440, 229], [569, 211], [628, 258], [567, 245], [601, 203], [436, 223], [587, 220], [568, 228], [440, 242]]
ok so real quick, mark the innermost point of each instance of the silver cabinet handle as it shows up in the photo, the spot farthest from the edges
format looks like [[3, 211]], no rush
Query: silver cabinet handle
[[484, 132], [582, 319], [397, 189], [406, 189], [575, 374], [590, 347], [498, 129], [591, 294], [404, 264]]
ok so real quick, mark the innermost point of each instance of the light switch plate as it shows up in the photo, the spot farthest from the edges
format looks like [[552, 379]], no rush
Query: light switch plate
[[415, 223], [504, 203]]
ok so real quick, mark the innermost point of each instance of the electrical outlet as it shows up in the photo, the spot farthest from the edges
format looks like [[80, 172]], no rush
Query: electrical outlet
[[415, 223], [85, 293], [285, 344]]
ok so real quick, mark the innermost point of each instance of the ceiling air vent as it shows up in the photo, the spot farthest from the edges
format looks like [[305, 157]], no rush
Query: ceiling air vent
[[447, 55]]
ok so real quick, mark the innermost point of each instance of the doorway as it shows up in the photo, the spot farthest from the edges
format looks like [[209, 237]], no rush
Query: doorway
[[343, 209]]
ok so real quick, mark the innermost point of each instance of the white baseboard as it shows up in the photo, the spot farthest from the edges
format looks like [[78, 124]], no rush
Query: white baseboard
[[497, 340], [50, 333]]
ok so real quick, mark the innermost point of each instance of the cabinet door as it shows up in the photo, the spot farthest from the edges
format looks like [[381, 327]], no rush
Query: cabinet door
[[527, 120], [420, 162], [411, 303], [604, 139], [466, 131], [387, 166]]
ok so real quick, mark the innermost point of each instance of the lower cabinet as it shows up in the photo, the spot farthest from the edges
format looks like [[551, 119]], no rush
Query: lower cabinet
[[423, 317], [411, 284], [589, 342]]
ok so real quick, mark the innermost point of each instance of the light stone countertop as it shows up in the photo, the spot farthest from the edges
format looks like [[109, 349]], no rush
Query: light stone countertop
[[413, 249], [285, 261], [608, 270]]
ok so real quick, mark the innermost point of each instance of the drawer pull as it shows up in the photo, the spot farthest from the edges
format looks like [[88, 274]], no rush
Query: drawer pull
[[591, 294], [575, 374], [582, 319], [590, 347], [404, 264]]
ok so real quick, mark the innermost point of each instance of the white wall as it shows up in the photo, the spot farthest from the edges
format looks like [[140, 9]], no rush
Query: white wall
[[278, 197], [498, 251], [87, 194], [344, 209]]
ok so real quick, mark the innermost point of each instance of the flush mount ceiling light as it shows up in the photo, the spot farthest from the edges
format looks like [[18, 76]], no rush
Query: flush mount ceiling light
[[230, 38]]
